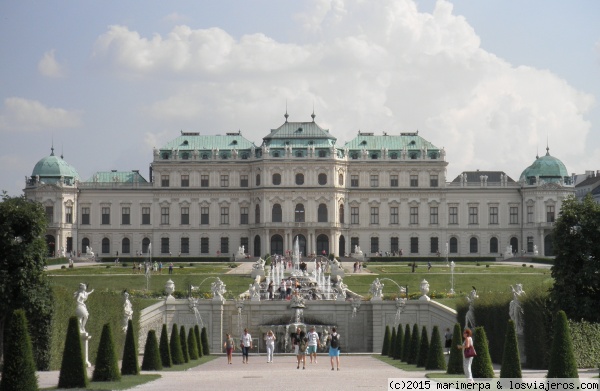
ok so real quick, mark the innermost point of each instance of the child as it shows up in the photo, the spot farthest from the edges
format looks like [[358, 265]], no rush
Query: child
[[229, 346]]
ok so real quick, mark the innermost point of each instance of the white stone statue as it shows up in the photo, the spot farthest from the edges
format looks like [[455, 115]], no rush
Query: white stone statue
[[127, 311], [470, 316], [376, 289], [81, 310], [341, 288], [218, 289], [259, 265], [509, 252], [357, 250], [535, 250], [515, 309]]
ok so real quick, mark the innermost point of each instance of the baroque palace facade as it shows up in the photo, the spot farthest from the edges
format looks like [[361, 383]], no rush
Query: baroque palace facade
[[211, 195]]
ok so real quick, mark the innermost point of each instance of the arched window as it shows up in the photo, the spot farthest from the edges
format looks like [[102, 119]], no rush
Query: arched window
[[299, 214], [341, 213], [277, 215], [277, 244], [125, 246], [514, 242], [341, 180], [299, 179], [493, 245], [257, 246], [322, 179], [473, 246], [322, 213], [85, 243], [257, 214], [276, 179], [453, 246], [257, 179], [145, 245], [322, 245], [105, 246]]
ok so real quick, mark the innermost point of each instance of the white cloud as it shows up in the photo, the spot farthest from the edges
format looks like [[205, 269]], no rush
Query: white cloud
[[49, 66], [377, 66], [24, 115]]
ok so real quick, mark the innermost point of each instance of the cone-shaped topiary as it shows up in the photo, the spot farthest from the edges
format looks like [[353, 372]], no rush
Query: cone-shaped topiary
[[399, 343], [175, 345], [387, 338], [455, 362], [107, 364], [423, 348], [165, 348], [198, 340], [192, 345], [482, 363], [414, 345], [511, 363], [184, 345], [18, 372], [406, 344], [392, 343], [151, 360], [130, 365], [562, 360], [435, 357], [72, 370], [204, 339]]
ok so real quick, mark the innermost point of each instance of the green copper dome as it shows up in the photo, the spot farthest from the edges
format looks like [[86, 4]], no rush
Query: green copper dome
[[548, 169], [51, 169]]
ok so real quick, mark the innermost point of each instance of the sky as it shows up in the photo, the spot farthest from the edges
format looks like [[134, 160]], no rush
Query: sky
[[492, 82]]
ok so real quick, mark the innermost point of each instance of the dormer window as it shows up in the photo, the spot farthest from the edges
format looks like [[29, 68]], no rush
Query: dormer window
[[354, 155], [185, 142], [185, 156], [322, 153], [204, 156], [165, 156], [393, 155]]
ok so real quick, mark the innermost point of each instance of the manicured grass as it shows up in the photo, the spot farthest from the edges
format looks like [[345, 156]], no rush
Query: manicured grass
[[398, 364], [191, 364]]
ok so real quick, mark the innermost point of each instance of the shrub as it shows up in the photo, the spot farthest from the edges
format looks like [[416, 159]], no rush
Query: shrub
[[151, 360], [387, 338], [423, 348], [192, 346], [184, 345], [562, 359], [175, 345], [204, 338], [511, 363], [414, 345], [482, 364], [107, 365], [392, 343], [455, 362], [72, 371], [198, 340], [399, 343], [130, 365], [435, 357], [165, 349], [18, 372], [406, 343]]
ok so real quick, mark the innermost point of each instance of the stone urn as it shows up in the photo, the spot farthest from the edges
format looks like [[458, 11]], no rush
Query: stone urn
[[424, 290], [169, 288]]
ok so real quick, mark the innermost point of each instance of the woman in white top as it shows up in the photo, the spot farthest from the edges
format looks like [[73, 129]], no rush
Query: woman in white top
[[270, 342], [246, 342], [467, 361]]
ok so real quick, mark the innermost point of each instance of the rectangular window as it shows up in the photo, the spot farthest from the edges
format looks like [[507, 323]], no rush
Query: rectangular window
[[105, 215], [125, 216], [204, 215], [243, 180], [433, 181], [224, 245], [353, 180], [433, 215], [414, 215], [414, 181], [550, 213], [224, 180], [185, 245], [374, 215], [244, 242], [164, 181], [414, 245], [185, 216], [493, 215], [354, 215], [393, 180], [374, 245], [50, 214], [69, 215], [530, 244], [353, 244], [185, 181], [164, 246], [434, 245], [374, 180], [204, 249], [394, 244], [514, 215], [530, 214], [244, 212], [224, 215], [473, 215], [204, 181], [145, 215], [85, 216], [394, 218], [453, 215], [164, 215]]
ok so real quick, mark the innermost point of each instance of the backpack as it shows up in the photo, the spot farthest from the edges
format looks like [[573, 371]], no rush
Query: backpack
[[335, 343]]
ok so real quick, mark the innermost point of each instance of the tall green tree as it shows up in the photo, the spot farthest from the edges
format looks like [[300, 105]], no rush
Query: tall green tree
[[73, 373], [482, 367], [18, 371], [23, 283], [576, 245], [435, 357], [130, 365], [387, 339], [392, 343], [562, 359], [455, 362], [511, 362], [423, 348]]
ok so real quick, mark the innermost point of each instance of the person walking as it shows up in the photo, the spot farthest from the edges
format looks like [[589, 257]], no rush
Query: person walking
[[334, 348], [467, 347], [296, 340], [229, 346], [313, 344], [246, 345], [270, 343]]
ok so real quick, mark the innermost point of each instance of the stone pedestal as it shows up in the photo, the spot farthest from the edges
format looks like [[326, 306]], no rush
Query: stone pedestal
[[85, 337], [521, 343]]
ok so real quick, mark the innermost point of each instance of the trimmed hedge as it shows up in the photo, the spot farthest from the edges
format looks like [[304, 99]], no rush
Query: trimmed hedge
[[18, 371], [73, 372], [175, 345], [399, 343], [406, 344], [204, 339], [165, 348], [130, 365], [151, 360], [411, 259], [184, 345], [166, 259], [511, 362], [387, 339], [192, 346], [435, 358], [562, 359], [392, 343], [107, 364], [415, 340], [482, 363], [198, 340], [423, 348], [455, 362]]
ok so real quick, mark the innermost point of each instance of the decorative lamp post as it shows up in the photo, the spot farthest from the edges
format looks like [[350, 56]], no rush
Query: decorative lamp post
[[452, 277]]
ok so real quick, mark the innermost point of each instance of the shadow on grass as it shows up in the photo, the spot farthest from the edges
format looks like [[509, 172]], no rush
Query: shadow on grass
[[191, 364], [399, 364]]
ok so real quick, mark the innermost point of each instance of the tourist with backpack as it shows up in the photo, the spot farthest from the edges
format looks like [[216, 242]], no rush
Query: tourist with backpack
[[334, 348]]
